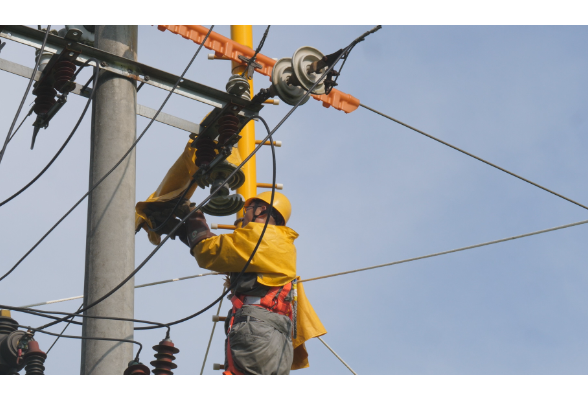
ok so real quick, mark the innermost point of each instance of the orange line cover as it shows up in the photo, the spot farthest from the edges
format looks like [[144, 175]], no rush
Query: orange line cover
[[230, 49]]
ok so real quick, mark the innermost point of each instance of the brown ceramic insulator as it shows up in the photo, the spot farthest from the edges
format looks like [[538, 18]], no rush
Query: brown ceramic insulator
[[45, 99], [228, 126], [164, 358], [137, 369], [205, 151], [34, 359], [64, 71]]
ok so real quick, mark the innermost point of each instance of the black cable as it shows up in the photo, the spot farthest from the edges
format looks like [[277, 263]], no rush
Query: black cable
[[269, 136], [37, 313], [236, 280], [43, 313], [96, 71], [25, 94], [63, 331], [21, 122], [115, 166], [34, 330], [158, 228], [473, 156], [259, 47]]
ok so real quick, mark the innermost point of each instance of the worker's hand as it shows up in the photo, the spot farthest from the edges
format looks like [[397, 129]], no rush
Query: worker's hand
[[197, 229], [237, 222]]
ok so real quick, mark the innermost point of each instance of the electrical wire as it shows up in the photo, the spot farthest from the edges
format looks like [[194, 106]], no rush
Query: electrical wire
[[115, 166], [34, 330], [352, 271], [269, 136], [63, 331], [171, 214], [269, 212], [259, 47], [448, 251], [21, 122], [96, 71], [42, 313], [136, 287], [25, 94], [473, 156]]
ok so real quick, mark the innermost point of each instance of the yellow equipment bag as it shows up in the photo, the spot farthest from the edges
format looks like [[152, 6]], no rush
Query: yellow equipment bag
[[173, 185]]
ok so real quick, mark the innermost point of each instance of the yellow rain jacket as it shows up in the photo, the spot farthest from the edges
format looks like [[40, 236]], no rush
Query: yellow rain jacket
[[175, 182], [275, 265]]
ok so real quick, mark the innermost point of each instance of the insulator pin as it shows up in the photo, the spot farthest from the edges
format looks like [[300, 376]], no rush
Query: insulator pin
[[205, 152], [228, 126], [34, 359], [137, 368], [45, 99], [64, 71]]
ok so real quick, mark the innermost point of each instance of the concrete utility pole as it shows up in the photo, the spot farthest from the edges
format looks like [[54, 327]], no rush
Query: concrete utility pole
[[110, 244]]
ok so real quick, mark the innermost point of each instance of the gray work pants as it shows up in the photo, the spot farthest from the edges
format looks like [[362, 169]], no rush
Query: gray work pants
[[262, 343]]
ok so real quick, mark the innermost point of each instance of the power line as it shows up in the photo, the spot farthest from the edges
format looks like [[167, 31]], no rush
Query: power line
[[356, 270], [269, 136], [473, 156], [115, 166], [448, 251], [63, 331], [96, 71], [136, 287], [34, 330], [25, 93], [41, 313], [259, 47], [21, 122], [171, 214]]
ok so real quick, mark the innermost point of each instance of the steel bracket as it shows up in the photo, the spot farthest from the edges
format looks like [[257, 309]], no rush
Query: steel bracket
[[130, 69]]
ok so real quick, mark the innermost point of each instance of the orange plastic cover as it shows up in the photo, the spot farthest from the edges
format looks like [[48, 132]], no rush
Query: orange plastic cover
[[230, 49]]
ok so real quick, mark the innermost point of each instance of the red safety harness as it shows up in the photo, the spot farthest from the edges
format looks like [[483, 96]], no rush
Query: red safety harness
[[274, 301]]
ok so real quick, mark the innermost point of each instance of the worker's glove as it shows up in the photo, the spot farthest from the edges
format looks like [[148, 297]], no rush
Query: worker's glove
[[196, 229]]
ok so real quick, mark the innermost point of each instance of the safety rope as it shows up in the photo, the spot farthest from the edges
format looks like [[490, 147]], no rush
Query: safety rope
[[211, 335], [336, 355]]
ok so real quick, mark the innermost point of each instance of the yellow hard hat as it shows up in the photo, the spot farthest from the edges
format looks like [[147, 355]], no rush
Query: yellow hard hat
[[281, 203]]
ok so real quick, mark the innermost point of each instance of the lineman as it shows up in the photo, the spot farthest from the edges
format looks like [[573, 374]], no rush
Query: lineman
[[259, 326]]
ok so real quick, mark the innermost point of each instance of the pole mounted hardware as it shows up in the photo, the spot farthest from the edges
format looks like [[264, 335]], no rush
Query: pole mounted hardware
[[10, 349], [226, 48], [137, 368], [219, 133], [252, 66], [130, 69], [164, 357], [56, 77]]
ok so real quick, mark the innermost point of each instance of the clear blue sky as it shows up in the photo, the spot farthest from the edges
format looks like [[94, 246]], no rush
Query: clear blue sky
[[364, 191]]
